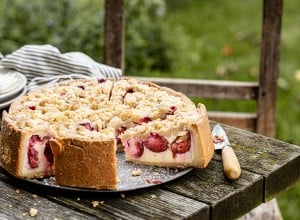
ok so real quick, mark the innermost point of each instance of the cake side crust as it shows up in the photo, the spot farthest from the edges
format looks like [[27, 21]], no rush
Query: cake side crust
[[85, 163], [205, 144], [10, 147]]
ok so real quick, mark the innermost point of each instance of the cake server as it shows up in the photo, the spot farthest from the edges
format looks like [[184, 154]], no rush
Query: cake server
[[231, 165]]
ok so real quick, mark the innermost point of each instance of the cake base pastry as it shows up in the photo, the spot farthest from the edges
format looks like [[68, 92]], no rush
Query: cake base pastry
[[73, 129]]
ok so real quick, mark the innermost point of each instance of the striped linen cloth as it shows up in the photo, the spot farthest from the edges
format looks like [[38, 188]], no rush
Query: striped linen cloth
[[44, 64]]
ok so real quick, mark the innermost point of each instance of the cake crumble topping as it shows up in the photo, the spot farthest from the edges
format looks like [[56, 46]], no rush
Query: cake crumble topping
[[137, 172]]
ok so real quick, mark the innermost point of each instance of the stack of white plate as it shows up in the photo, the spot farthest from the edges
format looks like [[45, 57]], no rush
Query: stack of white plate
[[12, 86]]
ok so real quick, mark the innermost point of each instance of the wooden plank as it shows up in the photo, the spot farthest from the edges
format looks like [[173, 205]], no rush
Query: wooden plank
[[277, 161], [246, 121], [16, 203], [149, 203], [216, 89], [219, 90], [228, 199], [264, 162], [152, 203], [269, 59], [114, 43]]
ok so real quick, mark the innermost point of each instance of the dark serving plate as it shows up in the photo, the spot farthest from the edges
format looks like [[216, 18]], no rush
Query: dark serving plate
[[150, 176]]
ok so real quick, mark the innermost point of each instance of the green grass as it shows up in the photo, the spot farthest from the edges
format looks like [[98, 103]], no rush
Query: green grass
[[203, 30]]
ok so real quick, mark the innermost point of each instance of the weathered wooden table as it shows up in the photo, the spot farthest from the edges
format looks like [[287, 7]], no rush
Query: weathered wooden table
[[268, 167]]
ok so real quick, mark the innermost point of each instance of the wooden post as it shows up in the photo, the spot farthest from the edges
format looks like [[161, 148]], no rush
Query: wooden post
[[267, 94], [269, 59], [114, 33]]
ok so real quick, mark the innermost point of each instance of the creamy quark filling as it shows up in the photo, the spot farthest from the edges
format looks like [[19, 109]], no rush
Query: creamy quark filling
[[38, 155], [159, 148]]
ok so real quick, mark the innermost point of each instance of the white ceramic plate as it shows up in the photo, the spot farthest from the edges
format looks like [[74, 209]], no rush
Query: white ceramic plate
[[8, 102], [15, 88]]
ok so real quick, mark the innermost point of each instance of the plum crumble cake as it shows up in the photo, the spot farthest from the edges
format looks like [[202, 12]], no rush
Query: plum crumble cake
[[72, 130]]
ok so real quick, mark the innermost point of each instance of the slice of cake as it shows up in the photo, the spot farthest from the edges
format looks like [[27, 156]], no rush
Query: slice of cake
[[85, 163], [72, 130], [23, 153], [180, 140], [40, 126]]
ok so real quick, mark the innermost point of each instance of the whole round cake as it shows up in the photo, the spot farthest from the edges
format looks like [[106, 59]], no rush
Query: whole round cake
[[73, 129]]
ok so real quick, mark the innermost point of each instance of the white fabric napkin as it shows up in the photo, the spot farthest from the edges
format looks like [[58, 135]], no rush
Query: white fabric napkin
[[44, 64]]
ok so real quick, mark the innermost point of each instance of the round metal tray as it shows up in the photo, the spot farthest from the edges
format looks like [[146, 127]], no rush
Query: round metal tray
[[150, 176]]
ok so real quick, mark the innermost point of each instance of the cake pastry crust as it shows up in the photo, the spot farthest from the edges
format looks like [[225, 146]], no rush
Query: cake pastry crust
[[73, 129], [92, 163]]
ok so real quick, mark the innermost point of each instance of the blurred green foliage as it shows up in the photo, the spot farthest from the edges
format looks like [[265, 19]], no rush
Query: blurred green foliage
[[65, 24], [147, 47], [77, 25]]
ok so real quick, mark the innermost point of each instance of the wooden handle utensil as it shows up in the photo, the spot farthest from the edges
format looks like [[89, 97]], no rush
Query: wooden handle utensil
[[231, 165]]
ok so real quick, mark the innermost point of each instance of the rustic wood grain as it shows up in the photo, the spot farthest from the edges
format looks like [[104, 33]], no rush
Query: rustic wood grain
[[243, 120], [212, 187], [151, 203], [16, 203], [268, 166], [147, 204], [114, 43], [277, 161], [269, 60], [215, 89]]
